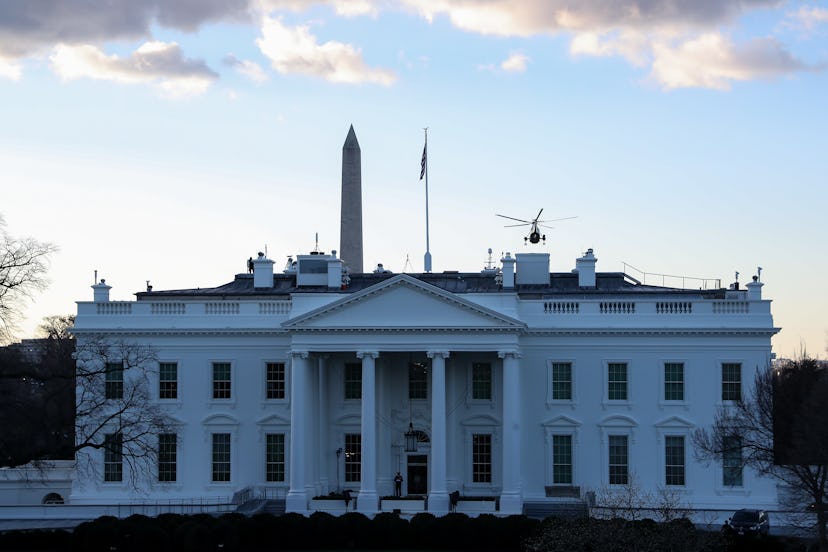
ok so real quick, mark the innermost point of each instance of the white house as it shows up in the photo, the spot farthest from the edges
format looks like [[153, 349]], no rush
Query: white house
[[522, 384]]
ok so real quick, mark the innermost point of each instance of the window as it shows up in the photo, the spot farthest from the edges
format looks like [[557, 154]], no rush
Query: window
[[561, 381], [167, 456], [222, 386], [417, 381], [619, 460], [275, 380], [275, 457], [482, 381], [732, 462], [167, 380], [113, 457], [353, 381], [674, 460], [481, 458], [221, 457], [353, 457], [617, 381], [673, 381], [114, 381], [562, 459], [731, 381]]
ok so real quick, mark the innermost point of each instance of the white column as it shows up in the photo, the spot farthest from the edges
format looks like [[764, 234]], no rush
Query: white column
[[322, 431], [368, 500], [438, 502], [297, 498], [510, 498]]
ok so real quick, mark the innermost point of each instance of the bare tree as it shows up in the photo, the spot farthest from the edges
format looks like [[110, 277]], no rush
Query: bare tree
[[80, 404], [23, 265], [113, 380], [780, 430]]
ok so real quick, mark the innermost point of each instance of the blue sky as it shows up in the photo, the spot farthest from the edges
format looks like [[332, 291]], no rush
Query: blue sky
[[169, 141]]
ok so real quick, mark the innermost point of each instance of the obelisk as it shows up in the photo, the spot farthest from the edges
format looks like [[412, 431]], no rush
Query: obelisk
[[350, 230]]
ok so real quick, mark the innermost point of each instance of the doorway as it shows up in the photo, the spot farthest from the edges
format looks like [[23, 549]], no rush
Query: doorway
[[417, 474]]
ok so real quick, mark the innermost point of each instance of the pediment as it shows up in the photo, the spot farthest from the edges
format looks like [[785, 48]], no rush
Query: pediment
[[273, 419], [219, 419], [403, 303], [618, 420], [561, 421], [675, 422]]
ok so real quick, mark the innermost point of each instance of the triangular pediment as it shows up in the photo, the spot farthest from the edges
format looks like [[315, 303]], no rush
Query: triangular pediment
[[400, 303]]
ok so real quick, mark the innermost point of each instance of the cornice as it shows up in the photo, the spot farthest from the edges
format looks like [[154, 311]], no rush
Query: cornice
[[759, 332]]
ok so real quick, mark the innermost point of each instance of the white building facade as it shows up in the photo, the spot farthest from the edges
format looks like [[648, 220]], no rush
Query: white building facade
[[528, 386]]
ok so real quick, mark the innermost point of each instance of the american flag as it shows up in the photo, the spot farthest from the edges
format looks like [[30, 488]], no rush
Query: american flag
[[423, 162]]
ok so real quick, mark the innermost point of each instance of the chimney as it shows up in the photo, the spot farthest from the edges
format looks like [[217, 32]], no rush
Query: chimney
[[350, 229], [101, 292], [532, 268], [262, 272], [585, 267], [508, 271], [754, 289], [334, 272]]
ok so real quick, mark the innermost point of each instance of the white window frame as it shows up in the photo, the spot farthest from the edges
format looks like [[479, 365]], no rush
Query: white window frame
[[482, 424], [678, 427], [550, 400], [233, 383], [561, 425], [286, 399], [719, 376], [221, 423], [618, 424], [628, 402], [179, 387], [124, 465], [497, 377], [178, 449], [273, 424], [662, 401]]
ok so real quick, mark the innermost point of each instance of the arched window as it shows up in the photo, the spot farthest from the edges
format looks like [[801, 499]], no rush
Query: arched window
[[52, 498]]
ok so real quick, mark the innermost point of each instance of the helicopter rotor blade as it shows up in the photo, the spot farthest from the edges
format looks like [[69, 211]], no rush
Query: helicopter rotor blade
[[545, 226], [557, 219], [539, 214], [513, 218], [515, 225]]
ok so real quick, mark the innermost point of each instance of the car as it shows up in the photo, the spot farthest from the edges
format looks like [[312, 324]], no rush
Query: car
[[749, 522]]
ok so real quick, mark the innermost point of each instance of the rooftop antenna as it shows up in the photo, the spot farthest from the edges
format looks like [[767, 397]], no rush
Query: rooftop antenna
[[316, 247], [759, 273], [96, 277], [489, 263], [265, 251], [408, 267], [424, 172]]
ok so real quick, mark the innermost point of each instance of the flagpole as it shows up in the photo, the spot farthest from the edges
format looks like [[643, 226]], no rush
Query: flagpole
[[427, 257]]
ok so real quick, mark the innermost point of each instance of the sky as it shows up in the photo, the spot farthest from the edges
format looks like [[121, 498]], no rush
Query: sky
[[169, 140]]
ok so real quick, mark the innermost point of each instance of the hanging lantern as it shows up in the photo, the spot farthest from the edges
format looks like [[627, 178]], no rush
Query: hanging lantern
[[410, 439]]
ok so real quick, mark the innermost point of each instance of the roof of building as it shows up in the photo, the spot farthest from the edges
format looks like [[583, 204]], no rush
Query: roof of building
[[560, 283]]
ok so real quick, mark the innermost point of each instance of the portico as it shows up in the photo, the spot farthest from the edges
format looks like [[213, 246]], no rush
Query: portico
[[472, 376]]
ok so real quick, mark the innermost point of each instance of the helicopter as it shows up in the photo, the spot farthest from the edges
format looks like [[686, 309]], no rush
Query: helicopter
[[534, 226]]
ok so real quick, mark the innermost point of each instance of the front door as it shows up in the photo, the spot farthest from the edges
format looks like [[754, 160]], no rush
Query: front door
[[417, 474]]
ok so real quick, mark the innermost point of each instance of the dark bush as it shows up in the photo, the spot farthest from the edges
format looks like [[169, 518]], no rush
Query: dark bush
[[355, 529], [391, 532], [422, 531]]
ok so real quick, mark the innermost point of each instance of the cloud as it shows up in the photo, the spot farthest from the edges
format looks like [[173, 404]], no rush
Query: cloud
[[631, 45], [249, 69], [10, 69], [345, 8], [808, 18], [515, 63], [530, 17], [295, 50], [713, 61], [158, 64], [28, 27]]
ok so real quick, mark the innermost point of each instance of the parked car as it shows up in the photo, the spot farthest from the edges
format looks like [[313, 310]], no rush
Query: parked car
[[748, 522]]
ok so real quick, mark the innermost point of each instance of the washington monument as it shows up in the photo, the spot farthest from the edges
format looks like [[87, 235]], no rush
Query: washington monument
[[350, 231]]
